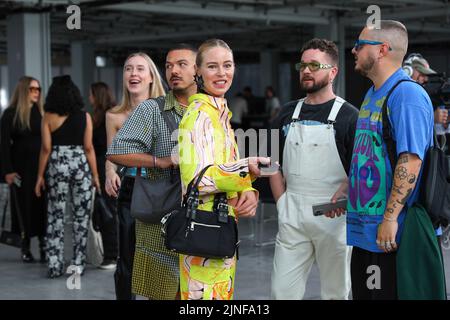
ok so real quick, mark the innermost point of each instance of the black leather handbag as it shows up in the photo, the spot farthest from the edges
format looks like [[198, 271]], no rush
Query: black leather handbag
[[152, 199], [104, 211], [201, 233]]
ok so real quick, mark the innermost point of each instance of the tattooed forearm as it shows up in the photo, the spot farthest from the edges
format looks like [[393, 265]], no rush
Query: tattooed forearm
[[403, 184], [401, 172], [402, 159], [397, 188], [405, 198]]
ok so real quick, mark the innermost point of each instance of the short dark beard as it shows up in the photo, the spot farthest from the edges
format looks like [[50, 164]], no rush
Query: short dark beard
[[316, 86], [178, 90], [366, 67], [182, 91]]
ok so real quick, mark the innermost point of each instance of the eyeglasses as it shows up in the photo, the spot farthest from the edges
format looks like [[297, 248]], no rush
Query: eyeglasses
[[360, 43], [313, 66], [34, 89]]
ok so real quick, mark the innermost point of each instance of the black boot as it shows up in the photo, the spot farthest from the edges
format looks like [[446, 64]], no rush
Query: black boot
[[27, 257], [42, 252]]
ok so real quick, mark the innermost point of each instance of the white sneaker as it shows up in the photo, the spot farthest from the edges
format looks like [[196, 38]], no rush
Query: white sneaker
[[108, 264]]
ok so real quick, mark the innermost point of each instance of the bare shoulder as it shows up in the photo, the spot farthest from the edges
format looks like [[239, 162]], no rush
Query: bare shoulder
[[50, 116], [115, 119]]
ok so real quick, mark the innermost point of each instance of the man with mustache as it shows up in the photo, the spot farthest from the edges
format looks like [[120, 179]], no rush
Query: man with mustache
[[384, 182], [317, 138]]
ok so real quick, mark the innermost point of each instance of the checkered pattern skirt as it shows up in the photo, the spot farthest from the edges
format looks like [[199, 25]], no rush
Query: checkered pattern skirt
[[155, 269]]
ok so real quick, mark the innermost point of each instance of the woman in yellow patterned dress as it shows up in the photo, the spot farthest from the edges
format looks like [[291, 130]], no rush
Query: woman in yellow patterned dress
[[206, 138]]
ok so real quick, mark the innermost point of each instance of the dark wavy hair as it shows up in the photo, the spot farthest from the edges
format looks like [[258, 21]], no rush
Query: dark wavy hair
[[63, 97], [103, 101], [324, 45]]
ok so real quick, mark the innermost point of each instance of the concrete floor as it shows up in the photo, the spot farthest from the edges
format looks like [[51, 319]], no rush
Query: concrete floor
[[19, 281]]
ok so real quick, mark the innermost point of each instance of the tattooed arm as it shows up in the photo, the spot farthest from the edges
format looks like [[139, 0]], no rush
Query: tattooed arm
[[404, 181]]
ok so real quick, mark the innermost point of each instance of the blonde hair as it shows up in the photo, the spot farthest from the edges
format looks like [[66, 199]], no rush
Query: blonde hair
[[21, 103], [208, 44], [156, 88]]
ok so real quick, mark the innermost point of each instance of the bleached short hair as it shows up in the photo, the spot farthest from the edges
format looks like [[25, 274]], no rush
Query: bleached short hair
[[394, 33]]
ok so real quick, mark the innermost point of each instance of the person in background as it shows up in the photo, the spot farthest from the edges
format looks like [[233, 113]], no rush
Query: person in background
[[272, 103], [101, 99], [68, 158], [19, 147], [141, 81], [419, 70], [239, 108], [252, 101]]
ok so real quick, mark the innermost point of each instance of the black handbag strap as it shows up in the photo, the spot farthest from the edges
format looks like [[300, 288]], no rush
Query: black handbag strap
[[220, 205], [5, 208], [168, 117], [192, 189], [391, 145], [171, 124]]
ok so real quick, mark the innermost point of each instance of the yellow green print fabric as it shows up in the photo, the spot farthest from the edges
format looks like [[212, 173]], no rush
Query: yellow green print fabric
[[206, 137]]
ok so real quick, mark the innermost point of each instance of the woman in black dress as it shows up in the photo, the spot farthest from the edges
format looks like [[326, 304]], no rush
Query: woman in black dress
[[100, 97], [20, 143], [67, 159]]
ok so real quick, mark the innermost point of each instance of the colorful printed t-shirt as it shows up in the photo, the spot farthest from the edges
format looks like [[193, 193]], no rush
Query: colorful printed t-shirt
[[411, 116]]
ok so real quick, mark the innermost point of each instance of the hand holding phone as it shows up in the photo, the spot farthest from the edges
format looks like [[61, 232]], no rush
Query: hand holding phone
[[259, 166], [322, 208], [268, 169], [17, 181]]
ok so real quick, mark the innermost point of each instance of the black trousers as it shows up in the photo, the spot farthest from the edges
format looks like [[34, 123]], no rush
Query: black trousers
[[374, 275], [109, 230], [127, 241]]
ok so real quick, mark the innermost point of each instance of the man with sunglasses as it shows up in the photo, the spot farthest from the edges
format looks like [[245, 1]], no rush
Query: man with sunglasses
[[317, 139], [379, 192]]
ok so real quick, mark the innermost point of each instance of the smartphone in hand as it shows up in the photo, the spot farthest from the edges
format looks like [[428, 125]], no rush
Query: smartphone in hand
[[322, 208], [268, 169], [17, 181]]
